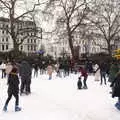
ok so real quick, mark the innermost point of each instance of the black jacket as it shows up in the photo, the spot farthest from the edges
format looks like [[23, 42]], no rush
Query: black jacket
[[13, 83], [25, 69]]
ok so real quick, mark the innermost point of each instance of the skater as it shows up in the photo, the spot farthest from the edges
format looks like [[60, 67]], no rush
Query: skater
[[103, 72], [36, 68], [85, 75], [79, 83], [114, 69], [116, 89], [13, 88], [25, 73], [97, 72], [57, 69], [3, 67]]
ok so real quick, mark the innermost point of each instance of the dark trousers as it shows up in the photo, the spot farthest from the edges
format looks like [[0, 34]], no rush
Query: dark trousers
[[66, 73], [36, 73], [9, 98], [25, 85], [84, 81], [3, 73], [103, 76]]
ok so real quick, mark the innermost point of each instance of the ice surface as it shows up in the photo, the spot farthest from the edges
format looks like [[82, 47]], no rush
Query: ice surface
[[59, 99]]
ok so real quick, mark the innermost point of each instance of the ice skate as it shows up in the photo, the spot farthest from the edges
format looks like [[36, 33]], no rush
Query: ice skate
[[117, 105], [5, 108], [17, 109]]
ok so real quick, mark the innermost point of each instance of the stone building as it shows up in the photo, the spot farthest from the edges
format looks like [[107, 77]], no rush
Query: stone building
[[30, 43]]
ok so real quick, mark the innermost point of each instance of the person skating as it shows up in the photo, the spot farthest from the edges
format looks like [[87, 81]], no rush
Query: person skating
[[103, 72], [13, 89], [114, 69], [97, 72], [25, 73], [79, 83], [116, 89], [84, 74]]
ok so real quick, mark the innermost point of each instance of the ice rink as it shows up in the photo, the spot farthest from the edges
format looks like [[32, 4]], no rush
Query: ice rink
[[59, 99]]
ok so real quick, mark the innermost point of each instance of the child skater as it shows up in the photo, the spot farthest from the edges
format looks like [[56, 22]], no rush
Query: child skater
[[85, 75], [116, 89], [79, 83], [13, 88]]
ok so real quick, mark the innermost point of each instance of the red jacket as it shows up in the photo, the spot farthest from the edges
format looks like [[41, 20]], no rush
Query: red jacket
[[83, 72]]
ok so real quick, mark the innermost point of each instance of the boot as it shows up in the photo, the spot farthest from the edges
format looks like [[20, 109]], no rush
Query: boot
[[85, 87], [5, 108], [17, 109], [117, 105]]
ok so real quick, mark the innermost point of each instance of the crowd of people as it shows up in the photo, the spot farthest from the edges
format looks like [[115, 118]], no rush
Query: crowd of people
[[22, 71]]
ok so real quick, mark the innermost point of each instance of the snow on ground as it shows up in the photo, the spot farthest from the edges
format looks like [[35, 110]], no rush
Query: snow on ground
[[59, 99]]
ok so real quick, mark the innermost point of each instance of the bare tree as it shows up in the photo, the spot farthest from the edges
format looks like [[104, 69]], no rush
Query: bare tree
[[105, 19], [16, 18], [73, 13]]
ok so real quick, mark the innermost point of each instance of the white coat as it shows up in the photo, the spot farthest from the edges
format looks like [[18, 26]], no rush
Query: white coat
[[97, 74]]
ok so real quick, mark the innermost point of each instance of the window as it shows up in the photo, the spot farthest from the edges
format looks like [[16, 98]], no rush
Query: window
[[6, 39], [7, 26], [3, 47], [34, 48], [2, 39], [3, 32], [6, 31], [31, 40], [34, 41], [28, 47], [31, 47], [28, 40], [6, 47], [21, 48]]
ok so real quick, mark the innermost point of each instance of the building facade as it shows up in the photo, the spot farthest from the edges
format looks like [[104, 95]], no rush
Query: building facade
[[29, 38]]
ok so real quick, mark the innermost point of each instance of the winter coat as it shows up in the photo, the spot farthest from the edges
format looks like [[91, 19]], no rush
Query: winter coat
[[103, 67], [3, 66], [97, 72], [113, 71], [83, 72], [25, 70], [13, 82], [116, 86]]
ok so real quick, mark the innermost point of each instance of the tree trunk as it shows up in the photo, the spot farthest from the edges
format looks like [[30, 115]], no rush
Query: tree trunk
[[15, 51], [109, 50], [70, 39]]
